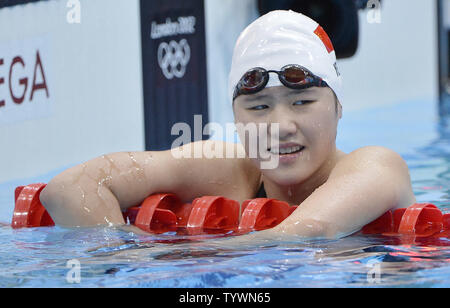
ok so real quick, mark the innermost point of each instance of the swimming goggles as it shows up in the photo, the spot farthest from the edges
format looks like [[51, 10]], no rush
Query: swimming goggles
[[292, 76]]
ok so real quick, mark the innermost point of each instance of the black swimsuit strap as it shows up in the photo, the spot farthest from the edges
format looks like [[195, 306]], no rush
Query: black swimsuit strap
[[261, 192]]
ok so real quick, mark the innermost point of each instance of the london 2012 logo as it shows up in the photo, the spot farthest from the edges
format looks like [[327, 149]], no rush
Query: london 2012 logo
[[173, 58]]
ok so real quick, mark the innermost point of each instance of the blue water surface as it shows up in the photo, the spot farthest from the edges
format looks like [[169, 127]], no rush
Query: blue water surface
[[117, 258]]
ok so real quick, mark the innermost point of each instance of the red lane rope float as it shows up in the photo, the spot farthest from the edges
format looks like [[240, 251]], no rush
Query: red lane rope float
[[28, 210], [260, 214], [446, 222], [212, 213], [384, 224], [421, 220], [161, 213]]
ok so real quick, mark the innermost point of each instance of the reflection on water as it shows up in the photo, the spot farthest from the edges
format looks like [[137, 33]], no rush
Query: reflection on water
[[115, 258], [430, 168]]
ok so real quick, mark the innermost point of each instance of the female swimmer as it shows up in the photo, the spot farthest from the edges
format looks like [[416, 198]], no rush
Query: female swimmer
[[284, 72]]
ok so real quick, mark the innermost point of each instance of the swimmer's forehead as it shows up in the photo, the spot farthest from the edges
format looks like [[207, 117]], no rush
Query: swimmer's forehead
[[270, 93]]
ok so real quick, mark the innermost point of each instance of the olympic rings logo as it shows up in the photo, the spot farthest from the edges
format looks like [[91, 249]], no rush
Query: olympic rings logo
[[173, 58]]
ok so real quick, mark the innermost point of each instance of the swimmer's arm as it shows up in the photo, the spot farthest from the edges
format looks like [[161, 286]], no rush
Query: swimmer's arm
[[96, 192], [363, 186]]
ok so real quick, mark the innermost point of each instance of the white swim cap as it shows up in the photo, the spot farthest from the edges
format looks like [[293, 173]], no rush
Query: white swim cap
[[280, 38]]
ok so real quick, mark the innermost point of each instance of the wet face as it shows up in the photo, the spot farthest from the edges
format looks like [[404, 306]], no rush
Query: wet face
[[307, 120]]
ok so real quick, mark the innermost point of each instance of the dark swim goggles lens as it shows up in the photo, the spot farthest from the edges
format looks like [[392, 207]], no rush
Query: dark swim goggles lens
[[295, 75], [254, 78], [292, 76]]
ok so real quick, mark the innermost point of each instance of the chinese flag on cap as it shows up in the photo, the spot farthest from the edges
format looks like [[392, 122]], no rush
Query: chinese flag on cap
[[320, 32]]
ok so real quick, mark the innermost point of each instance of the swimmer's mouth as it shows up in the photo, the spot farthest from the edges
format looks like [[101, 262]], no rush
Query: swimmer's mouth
[[287, 150]]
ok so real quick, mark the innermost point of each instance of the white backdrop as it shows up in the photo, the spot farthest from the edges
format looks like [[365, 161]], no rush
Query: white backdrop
[[94, 80]]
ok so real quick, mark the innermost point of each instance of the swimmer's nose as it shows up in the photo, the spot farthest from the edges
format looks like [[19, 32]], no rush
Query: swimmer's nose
[[287, 129], [287, 125]]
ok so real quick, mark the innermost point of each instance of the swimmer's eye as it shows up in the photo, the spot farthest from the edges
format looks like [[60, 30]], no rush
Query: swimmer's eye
[[263, 107], [259, 107], [303, 102]]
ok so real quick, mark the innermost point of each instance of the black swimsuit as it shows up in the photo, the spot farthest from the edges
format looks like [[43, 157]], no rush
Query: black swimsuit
[[261, 192]]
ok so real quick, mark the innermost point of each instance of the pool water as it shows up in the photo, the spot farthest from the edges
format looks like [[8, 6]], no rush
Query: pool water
[[115, 258]]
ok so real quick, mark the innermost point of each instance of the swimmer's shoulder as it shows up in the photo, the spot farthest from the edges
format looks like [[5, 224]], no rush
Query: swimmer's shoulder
[[384, 163], [372, 154]]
